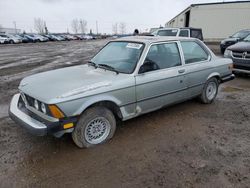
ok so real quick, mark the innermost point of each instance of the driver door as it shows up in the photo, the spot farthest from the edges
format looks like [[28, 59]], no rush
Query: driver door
[[165, 84]]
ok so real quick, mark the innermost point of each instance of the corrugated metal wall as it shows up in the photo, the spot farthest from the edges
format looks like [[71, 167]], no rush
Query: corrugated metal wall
[[218, 21]]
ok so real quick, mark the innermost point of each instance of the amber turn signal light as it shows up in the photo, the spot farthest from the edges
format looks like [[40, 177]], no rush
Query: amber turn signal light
[[231, 66], [56, 112], [68, 125]]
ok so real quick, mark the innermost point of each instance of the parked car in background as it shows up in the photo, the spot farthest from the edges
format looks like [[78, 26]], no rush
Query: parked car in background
[[240, 54], [237, 37], [39, 38], [12, 38], [87, 37], [49, 37], [30, 38], [180, 32], [4, 40], [23, 39], [127, 78]]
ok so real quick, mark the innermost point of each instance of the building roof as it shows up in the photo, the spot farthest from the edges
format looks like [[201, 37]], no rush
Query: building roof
[[205, 4], [151, 39], [218, 3]]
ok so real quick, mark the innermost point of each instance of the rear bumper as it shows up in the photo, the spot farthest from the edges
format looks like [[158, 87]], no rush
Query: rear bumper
[[34, 124], [227, 78]]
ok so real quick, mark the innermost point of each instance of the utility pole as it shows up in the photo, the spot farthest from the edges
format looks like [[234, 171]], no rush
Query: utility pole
[[15, 26], [96, 27]]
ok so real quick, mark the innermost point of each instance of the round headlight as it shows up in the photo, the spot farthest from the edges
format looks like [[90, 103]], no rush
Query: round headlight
[[227, 53], [36, 105], [43, 108]]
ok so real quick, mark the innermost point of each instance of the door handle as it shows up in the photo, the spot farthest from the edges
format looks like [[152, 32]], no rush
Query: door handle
[[181, 71]]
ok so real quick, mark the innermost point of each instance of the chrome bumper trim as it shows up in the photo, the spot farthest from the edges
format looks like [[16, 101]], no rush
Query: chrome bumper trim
[[32, 125]]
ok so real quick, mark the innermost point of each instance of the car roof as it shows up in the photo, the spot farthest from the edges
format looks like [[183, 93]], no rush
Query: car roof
[[151, 39]]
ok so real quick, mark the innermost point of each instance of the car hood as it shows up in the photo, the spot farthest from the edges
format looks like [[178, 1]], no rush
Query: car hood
[[69, 83], [240, 46], [230, 40]]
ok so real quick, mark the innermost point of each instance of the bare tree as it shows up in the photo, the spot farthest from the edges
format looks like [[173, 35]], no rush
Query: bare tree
[[75, 25], [122, 28], [115, 28], [39, 25], [83, 25]]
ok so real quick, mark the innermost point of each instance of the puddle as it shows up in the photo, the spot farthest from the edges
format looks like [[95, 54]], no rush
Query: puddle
[[231, 89]]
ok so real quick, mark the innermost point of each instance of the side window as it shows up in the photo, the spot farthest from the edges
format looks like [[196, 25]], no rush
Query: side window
[[164, 55], [184, 33], [193, 52], [196, 34], [168, 32]]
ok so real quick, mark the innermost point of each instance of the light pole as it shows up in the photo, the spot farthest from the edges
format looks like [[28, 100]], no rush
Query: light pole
[[15, 26]]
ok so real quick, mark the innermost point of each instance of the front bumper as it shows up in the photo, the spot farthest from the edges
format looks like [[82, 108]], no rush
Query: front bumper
[[241, 65], [34, 124]]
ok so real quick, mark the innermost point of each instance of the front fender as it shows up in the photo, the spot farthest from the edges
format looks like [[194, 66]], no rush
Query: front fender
[[77, 106], [94, 100]]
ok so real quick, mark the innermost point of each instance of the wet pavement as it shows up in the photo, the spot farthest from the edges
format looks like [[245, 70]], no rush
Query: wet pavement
[[186, 145]]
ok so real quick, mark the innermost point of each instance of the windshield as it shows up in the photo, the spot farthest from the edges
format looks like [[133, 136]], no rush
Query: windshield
[[168, 32], [122, 56], [247, 39], [241, 34]]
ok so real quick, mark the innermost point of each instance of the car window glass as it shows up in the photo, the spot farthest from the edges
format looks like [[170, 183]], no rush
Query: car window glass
[[123, 56], [196, 34], [183, 33], [164, 55], [241, 34], [168, 32], [193, 52]]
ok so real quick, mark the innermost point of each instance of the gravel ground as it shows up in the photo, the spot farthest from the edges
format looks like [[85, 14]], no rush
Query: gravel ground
[[186, 145]]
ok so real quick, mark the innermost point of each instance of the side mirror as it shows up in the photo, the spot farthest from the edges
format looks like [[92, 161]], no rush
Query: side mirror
[[148, 66]]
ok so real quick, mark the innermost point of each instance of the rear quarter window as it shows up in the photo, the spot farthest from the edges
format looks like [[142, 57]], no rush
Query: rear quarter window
[[196, 34], [193, 52]]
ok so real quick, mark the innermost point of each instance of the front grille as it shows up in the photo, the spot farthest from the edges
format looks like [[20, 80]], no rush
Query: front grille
[[241, 55]]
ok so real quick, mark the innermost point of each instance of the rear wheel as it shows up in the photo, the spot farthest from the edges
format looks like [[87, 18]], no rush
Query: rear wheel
[[11, 42], [96, 126], [210, 91]]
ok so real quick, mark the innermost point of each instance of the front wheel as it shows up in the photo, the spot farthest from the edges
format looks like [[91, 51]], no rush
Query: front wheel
[[96, 125], [210, 91]]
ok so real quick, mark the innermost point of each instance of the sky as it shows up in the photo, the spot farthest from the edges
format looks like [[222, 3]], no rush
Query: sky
[[58, 14]]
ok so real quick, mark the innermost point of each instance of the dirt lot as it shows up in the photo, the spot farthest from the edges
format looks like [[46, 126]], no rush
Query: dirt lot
[[186, 145]]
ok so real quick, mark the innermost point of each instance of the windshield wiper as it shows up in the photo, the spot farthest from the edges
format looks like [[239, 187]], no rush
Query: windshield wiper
[[92, 64], [108, 67]]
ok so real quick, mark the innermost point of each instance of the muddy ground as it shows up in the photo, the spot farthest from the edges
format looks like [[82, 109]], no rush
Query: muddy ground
[[186, 145]]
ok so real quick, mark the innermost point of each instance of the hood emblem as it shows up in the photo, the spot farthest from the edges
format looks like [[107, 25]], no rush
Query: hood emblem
[[85, 89], [244, 55]]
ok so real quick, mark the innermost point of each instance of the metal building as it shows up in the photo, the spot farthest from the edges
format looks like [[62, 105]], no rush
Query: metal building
[[217, 20], [10, 30]]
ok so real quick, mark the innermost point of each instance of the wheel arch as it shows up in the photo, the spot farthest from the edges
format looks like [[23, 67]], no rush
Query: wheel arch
[[215, 75], [111, 104]]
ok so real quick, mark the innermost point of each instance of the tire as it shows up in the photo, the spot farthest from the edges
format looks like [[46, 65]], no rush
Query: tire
[[209, 91], [91, 124], [12, 42]]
